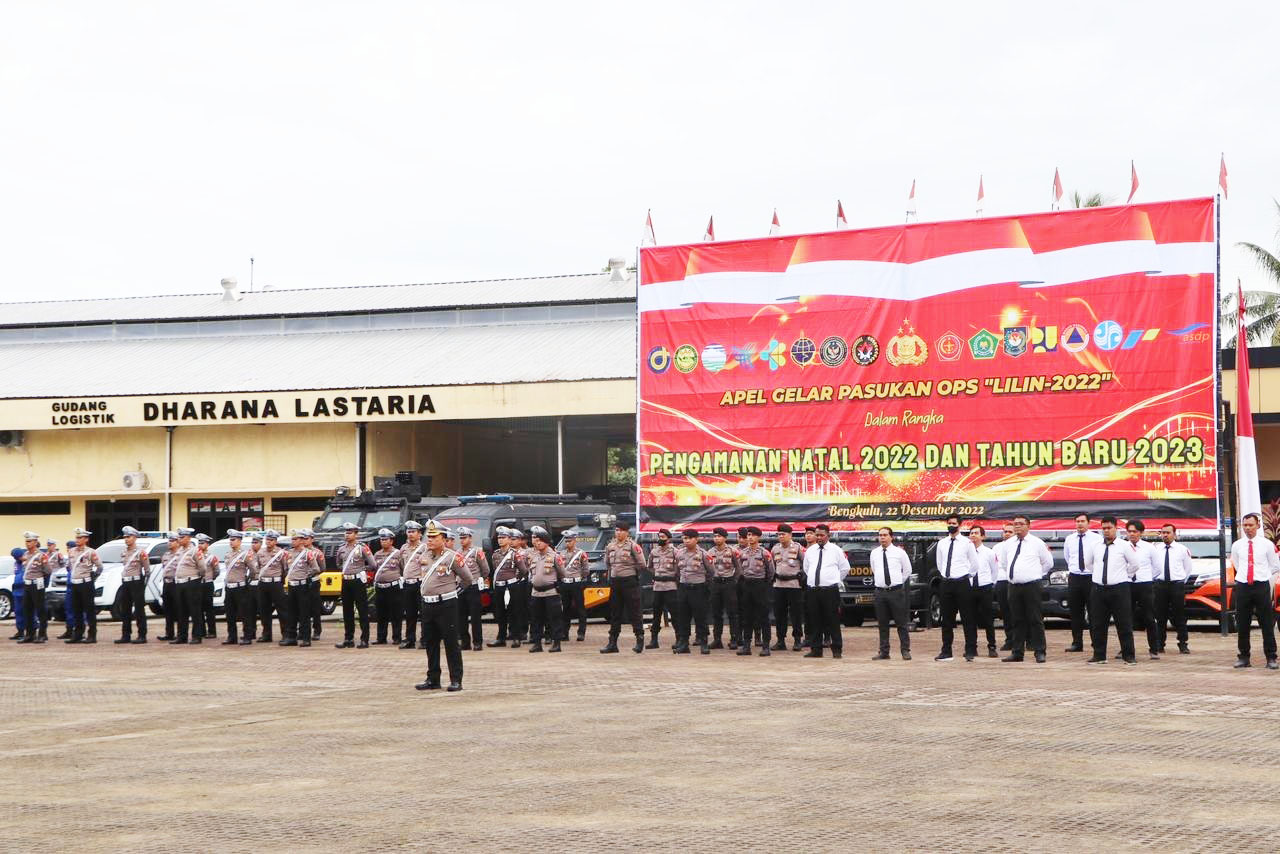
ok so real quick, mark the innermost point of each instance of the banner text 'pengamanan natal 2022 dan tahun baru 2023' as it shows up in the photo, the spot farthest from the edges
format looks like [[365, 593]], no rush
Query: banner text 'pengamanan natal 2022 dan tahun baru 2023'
[[1044, 364]]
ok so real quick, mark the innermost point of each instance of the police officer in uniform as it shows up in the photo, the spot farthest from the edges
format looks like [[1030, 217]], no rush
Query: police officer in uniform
[[386, 588], [169, 590], [625, 559], [212, 568], [411, 555], [724, 588], [272, 563], [236, 584], [519, 588], [188, 574], [662, 566], [316, 553], [788, 597], [439, 587], [35, 579], [472, 600], [546, 571], [504, 572], [135, 566], [693, 576], [354, 559], [300, 585], [757, 578], [577, 570], [84, 566], [249, 599]]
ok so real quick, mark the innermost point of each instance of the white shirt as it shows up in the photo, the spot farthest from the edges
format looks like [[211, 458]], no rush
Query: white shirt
[[899, 565], [1146, 556], [987, 569], [964, 560], [1027, 559], [835, 565], [1265, 562], [1002, 561], [1179, 561], [1071, 551], [1121, 563]]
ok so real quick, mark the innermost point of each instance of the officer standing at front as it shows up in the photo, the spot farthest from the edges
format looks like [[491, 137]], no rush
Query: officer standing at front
[[1173, 565], [386, 588], [1029, 561], [1078, 551], [169, 590], [825, 566], [472, 605], [1114, 565], [983, 583], [1142, 588], [788, 597], [546, 571], [354, 559], [236, 585], [891, 568], [135, 565], [188, 572], [299, 580], [272, 563], [625, 559], [724, 589], [84, 566], [957, 560], [577, 568], [693, 576], [662, 566], [411, 554], [35, 579], [439, 588], [757, 579], [1254, 559]]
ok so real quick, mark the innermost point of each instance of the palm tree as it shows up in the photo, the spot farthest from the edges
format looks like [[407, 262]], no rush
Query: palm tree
[[1093, 200], [1261, 307]]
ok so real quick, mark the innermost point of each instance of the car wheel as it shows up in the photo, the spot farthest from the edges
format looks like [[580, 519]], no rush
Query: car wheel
[[935, 611], [6, 604], [328, 605], [853, 618]]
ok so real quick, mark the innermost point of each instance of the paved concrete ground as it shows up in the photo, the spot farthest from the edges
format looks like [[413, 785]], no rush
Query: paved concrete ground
[[216, 748]]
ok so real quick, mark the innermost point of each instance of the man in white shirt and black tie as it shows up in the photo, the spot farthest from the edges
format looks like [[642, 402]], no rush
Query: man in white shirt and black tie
[[825, 566], [1028, 561], [1254, 559], [983, 582], [956, 560], [891, 568], [1142, 589], [1002, 585], [1078, 551], [1114, 565], [1173, 567]]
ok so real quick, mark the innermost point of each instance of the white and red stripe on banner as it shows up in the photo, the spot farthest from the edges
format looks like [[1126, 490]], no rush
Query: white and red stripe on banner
[[1246, 453]]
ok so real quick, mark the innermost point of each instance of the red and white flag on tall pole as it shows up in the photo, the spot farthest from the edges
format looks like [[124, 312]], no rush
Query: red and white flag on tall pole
[[1222, 175], [911, 201], [710, 234], [648, 239], [1057, 189], [1246, 454], [1133, 181], [981, 195], [841, 222], [775, 227]]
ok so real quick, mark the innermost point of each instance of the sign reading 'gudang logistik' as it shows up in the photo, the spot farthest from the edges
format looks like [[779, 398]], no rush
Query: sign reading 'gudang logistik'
[[1047, 364]]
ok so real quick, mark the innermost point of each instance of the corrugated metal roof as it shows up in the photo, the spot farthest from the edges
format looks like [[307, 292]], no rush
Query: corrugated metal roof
[[594, 287], [458, 355]]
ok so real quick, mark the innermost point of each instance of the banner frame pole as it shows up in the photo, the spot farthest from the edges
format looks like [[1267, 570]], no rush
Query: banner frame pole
[[1221, 427]]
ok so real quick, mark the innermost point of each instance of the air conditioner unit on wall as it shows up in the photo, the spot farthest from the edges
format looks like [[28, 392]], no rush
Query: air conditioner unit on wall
[[134, 480], [10, 438]]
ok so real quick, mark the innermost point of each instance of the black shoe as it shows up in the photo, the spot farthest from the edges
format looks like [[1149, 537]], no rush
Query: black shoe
[[991, 652], [177, 641], [288, 642], [733, 644], [91, 639], [364, 644], [745, 650], [231, 642], [764, 651], [582, 636], [813, 653], [17, 636], [943, 656], [1006, 646], [1154, 656], [611, 646], [1241, 662], [906, 656], [490, 643], [639, 647], [796, 646], [465, 647], [555, 645], [1075, 647], [73, 640], [536, 646], [316, 631], [1183, 649], [1097, 659], [454, 686], [63, 636], [653, 643], [1039, 658], [1118, 655], [704, 648], [197, 640], [304, 643], [880, 656], [246, 641], [715, 644], [264, 639], [25, 639], [779, 645], [968, 656], [1272, 665], [344, 645], [515, 644], [1131, 661], [1012, 658], [681, 648], [164, 637], [380, 643], [406, 645], [427, 686], [121, 640], [836, 653]]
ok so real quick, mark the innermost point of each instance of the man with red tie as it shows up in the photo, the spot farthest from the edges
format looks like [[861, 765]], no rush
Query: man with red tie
[[1255, 561]]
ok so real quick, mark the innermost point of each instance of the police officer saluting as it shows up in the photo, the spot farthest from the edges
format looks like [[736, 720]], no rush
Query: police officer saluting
[[272, 562], [788, 597], [890, 567], [546, 570], [472, 605], [694, 573], [757, 578], [662, 566], [299, 581], [135, 564], [35, 578], [236, 585], [576, 569], [84, 567], [439, 589], [624, 558], [353, 559]]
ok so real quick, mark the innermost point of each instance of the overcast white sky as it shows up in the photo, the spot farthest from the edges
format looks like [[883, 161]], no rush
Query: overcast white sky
[[154, 147]]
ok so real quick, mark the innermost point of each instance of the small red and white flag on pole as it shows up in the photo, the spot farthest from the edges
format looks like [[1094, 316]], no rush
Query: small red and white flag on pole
[[1222, 175], [710, 234], [1246, 453], [648, 238], [841, 222], [775, 227], [911, 200], [1133, 181], [981, 195], [1057, 188]]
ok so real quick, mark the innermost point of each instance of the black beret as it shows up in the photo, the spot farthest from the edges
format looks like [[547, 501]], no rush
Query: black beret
[[622, 525], [689, 534], [784, 528], [719, 532], [664, 531]]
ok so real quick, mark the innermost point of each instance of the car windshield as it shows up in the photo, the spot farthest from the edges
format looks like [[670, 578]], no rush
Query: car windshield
[[381, 519], [1203, 548], [112, 552], [220, 549], [335, 519]]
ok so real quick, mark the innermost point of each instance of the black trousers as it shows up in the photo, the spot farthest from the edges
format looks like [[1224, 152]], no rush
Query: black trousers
[[190, 596], [33, 604], [984, 612], [724, 600], [1006, 616], [411, 605], [233, 599], [82, 605], [1108, 602], [788, 609], [572, 604], [134, 594], [624, 595], [171, 606], [1079, 586], [316, 612], [440, 624], [247, 612], [1143, 599], [691, 607], [300, 596], [545, 615], [272, 598], [518, 610], [956, 594], [891, 604], [755, 610], [822, 617], [664, 602], [501, 611], [1028, 619], [355, 598], [388, 604], [206, 609], [1171, 606], [471, 609], [1254, 600]]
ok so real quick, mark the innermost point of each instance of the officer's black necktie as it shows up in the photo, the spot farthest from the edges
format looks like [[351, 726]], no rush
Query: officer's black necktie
[[884, 553], [950, 548], [1080, 549], [1167, 546], [1106, 552], [1016, 552]]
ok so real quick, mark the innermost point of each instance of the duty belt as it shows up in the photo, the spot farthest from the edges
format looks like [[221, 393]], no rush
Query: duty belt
[[81, 580], [132, 578], [544, 589], [381, 585], [299, 583], [351, 577], [573, 580], [232, 585], [185, 580], [665, 578], [443, 597], [506, 583], [271, 580]]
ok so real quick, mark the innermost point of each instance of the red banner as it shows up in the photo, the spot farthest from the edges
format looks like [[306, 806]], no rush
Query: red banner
[[1042, 364]]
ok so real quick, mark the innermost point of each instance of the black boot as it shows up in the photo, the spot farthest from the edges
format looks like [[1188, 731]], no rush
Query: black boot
[[745, 649], [535, 646], [704, 648], [681, 647], [121, 640], [715, 644], [639, 647], [611, 646], [555, 645], [653, 641]]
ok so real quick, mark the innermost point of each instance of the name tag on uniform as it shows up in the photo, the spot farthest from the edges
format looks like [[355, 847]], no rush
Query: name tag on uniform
[[483, 586], [39, 583]]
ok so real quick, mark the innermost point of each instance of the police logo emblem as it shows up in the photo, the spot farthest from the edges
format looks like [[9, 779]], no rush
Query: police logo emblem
[[686, 359], [906, 348], [659, 359], [1075, 338], [866, 349], [803, 351], [983, 345], [949, 347], [1015, 340], [834, 351]]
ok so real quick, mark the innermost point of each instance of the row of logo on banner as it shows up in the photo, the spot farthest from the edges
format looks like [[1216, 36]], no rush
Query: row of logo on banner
[[908, 348]]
